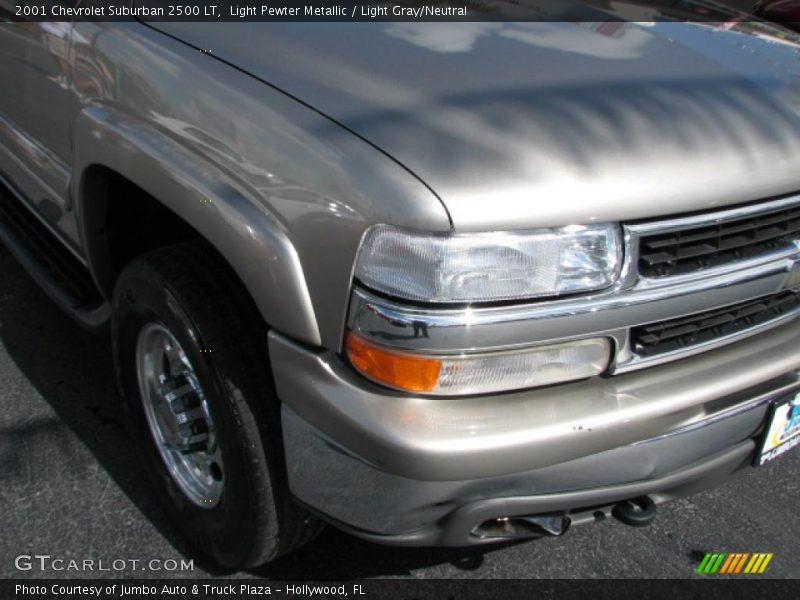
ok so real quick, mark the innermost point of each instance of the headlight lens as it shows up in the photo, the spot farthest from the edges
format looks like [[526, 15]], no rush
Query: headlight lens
[[484, 267], [479, 373]]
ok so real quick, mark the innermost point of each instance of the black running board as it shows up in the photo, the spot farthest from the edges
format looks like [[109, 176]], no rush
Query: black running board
[[57, 271]]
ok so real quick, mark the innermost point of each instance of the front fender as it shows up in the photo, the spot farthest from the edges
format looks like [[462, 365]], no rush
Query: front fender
[[243, 231]]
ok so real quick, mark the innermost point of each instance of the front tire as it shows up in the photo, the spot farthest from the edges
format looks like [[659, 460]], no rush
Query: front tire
[[190, 353]]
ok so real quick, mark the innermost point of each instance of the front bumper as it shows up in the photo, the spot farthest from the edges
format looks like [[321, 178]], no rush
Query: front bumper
[[422, 471]]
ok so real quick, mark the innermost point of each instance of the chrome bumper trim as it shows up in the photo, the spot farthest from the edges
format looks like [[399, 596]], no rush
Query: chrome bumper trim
[[455, 331]]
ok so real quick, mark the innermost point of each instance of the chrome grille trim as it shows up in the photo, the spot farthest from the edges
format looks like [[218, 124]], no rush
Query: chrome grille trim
[[634, 232]]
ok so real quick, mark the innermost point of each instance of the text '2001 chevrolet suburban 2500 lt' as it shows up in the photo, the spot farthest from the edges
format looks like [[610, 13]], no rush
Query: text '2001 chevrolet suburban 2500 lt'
[[433, 283]]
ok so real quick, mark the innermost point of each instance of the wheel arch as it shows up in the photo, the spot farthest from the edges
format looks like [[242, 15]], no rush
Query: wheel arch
[[194, 197]]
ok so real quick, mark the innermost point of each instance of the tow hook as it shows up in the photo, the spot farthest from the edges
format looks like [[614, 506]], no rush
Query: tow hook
[[636, 512]]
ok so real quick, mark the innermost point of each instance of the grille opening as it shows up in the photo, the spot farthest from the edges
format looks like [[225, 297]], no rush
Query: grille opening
[[700, 328], [695, 249]]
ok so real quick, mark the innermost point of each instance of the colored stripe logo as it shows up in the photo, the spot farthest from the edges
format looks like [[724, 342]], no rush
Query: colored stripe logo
[[734, 562]]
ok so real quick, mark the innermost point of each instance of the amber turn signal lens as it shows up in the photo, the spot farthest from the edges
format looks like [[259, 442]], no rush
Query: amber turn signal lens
[[395, 369]]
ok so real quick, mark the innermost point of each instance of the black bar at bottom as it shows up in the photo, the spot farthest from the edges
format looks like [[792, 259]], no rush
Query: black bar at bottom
[[707, 587]]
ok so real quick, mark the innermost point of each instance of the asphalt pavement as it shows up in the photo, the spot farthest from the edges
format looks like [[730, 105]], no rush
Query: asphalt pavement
[[71, 488]]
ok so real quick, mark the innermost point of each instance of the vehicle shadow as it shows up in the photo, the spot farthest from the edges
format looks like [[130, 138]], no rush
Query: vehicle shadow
[[72, 370], [336, 555]]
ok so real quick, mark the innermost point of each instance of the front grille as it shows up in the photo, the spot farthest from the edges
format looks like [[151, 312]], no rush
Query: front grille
[[694, 249], [700, 328]]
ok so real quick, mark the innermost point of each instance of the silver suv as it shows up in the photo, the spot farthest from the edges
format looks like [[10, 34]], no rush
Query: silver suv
[[432, 283]]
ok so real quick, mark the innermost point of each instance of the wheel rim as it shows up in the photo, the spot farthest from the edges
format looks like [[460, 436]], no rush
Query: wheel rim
[[177, 413]]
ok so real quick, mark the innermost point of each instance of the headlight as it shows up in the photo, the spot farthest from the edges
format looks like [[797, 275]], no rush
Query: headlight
[[484, 267], [479, 373]]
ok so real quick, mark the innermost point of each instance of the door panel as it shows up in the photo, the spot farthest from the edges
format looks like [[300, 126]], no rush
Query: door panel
[[35, 105]]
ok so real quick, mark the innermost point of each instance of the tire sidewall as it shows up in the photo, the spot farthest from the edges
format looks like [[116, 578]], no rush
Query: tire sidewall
[[142, 298]]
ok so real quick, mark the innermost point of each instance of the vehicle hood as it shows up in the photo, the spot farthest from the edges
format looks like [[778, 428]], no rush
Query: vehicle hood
[[526, 124]]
